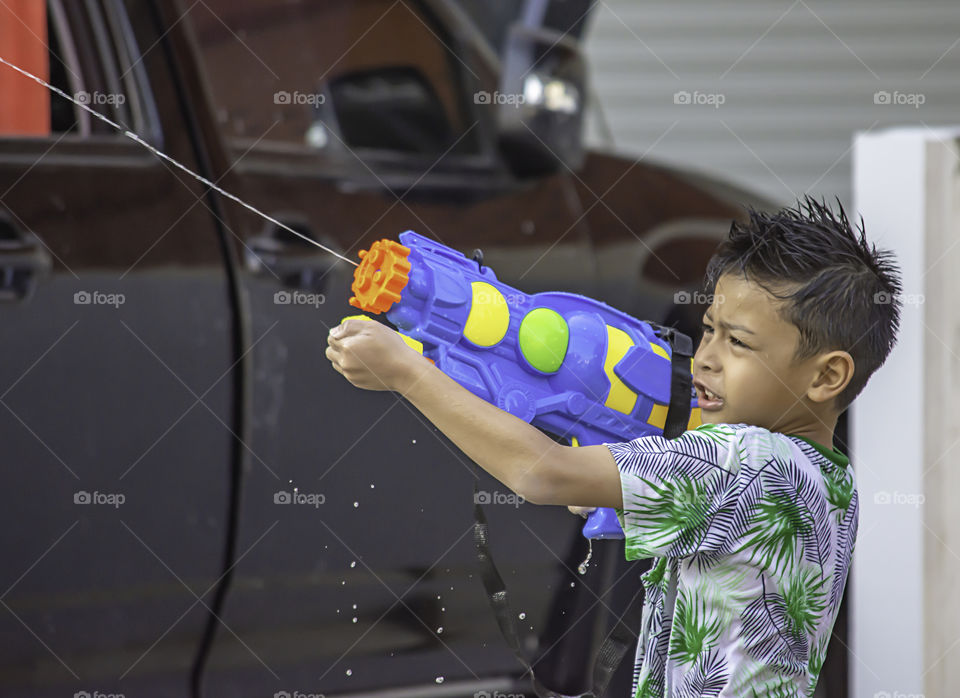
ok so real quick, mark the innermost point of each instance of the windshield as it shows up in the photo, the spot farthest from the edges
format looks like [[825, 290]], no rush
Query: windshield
[[493, 18]]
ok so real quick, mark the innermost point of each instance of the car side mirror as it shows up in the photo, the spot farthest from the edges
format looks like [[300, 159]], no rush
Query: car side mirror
[[541, 101]]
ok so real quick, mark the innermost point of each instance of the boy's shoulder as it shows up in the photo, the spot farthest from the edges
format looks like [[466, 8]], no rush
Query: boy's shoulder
[[727, 431], [730, 428], [749, 436]]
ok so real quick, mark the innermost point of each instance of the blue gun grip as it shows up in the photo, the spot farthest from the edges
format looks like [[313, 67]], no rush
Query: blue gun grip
[[602, 523]]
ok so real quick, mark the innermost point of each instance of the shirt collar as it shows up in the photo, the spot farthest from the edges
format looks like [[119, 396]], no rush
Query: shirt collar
[[835, 456]]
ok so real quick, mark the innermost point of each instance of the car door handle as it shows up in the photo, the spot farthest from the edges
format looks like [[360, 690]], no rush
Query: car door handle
[[294, 261], [23, 260]]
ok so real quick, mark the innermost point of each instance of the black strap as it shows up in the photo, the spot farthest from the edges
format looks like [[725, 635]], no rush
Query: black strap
[[609, 655], [623, 635], [681, 380]]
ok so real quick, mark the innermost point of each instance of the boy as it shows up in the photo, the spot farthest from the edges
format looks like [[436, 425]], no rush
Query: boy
[[752, 517]]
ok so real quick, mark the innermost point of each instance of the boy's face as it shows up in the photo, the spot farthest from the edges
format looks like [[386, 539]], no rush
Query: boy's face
[[749, 366]]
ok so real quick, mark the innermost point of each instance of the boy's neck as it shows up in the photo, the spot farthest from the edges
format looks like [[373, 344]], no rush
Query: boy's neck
[[818, 434]]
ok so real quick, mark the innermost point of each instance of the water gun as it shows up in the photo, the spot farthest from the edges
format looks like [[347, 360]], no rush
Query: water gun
[[573, 366]]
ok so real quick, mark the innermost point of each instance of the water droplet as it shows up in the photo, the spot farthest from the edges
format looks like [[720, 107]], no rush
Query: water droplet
[[356, 504], [442, 608], [582, 569], [371, 486], [438, 596], [354, 606], [414, 441], [354, 619], [439, 679], [439, 630], [353, 564], [343, 581], [349, 672], [522, 616], [573, 583]]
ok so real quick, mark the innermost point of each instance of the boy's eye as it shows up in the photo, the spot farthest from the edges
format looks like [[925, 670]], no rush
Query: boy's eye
[[733, 340]]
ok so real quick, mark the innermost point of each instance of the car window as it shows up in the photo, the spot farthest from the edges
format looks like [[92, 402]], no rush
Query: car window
[[74, 47], [39, 42], [364, 74]]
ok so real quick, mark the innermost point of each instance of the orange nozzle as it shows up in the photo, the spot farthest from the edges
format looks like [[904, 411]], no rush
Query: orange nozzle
[[380, 277]]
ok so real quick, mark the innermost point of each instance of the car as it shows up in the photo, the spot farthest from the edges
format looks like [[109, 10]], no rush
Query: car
[[194, 503]]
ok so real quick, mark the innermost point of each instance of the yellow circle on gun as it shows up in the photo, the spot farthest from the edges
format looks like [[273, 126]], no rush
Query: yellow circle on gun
[[489, 315]]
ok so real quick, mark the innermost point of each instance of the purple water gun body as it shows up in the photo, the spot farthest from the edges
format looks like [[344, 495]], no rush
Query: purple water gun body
[[570, 365]]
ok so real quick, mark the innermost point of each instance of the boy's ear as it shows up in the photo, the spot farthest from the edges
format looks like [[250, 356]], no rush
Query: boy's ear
[[834, 373]]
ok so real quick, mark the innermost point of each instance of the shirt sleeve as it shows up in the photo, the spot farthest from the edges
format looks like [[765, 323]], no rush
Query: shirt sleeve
[[673, 489]]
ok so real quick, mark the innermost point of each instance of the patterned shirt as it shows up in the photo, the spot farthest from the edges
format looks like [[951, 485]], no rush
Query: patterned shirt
[[751, 532]]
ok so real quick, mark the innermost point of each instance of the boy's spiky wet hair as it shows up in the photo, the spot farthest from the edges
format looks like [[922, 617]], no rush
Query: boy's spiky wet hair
[[839, 291]]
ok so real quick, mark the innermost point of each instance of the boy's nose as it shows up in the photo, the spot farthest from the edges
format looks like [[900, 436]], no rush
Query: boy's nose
[[704, 359]]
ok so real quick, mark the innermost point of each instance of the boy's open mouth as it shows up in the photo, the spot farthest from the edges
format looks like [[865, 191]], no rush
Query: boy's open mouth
[[707, 399]]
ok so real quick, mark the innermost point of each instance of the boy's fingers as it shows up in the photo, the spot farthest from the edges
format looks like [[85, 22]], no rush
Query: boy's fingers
[[350, 326], [334, 356]]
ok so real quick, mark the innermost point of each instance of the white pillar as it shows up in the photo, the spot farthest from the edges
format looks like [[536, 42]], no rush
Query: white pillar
[[905, 427]]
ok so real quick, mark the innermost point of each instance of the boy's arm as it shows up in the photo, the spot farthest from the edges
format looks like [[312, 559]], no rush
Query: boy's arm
[[518, 454], [374, 357]]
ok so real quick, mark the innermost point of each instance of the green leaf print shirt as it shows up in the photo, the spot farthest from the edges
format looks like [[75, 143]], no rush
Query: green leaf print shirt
[[751, 532]]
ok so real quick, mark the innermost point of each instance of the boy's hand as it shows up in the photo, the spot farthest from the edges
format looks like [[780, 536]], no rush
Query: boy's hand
[[370, 355], [582, 511]]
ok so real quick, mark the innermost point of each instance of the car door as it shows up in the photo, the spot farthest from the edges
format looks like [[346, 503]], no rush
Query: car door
[[116, 388], [356, 570]]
